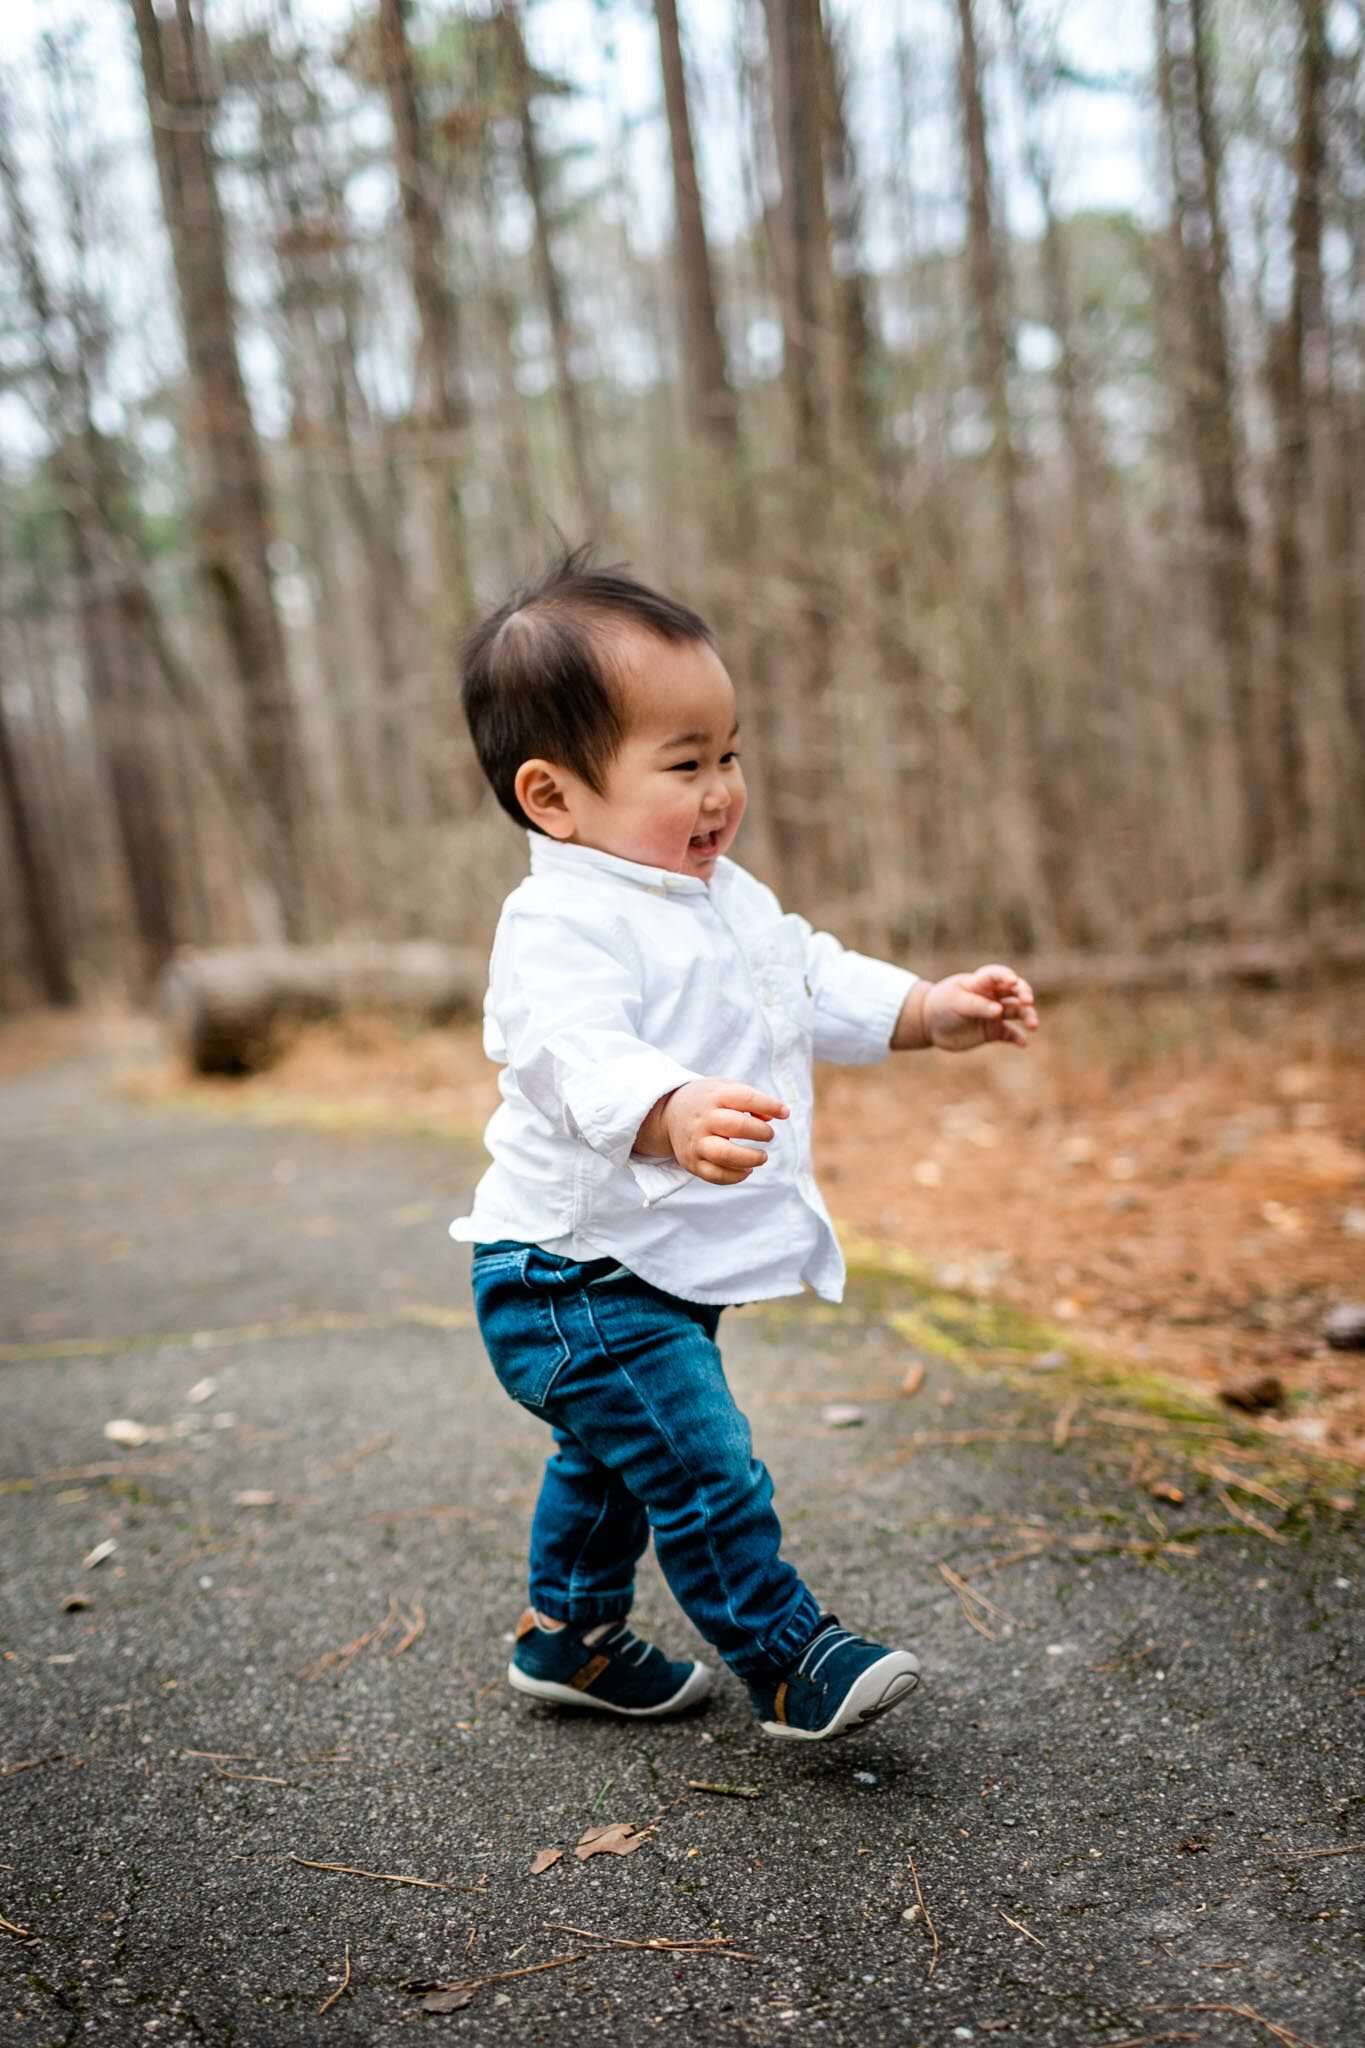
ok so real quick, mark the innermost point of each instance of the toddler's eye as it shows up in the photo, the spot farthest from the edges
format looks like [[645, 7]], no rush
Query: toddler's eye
[[683, 766], [727, 759]]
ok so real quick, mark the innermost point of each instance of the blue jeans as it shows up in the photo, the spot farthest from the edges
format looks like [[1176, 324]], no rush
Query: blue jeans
[[648, 1438]]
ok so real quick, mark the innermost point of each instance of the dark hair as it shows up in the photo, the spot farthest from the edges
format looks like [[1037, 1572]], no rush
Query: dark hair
[[535, 681]]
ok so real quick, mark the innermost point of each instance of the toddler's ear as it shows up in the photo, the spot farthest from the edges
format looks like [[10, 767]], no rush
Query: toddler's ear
[[542, 795]]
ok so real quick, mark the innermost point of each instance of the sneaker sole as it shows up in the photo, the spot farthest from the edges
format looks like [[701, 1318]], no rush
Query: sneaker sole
[[874, 1693], [696, 1687]]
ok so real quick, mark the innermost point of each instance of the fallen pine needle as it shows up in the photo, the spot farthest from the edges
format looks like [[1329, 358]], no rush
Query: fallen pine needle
[[31, 1763], [337, 1660], [1019, 1925], [1346, 1849], [498, 1976], [430, 1884], [13, 1927], [250, 1777], [1245, 1516], [415, 1629], [1245, 1484], [998, 1564], [344, 1985], [714, 1945], [970, 1598], [725, 1791], [1144, 2040], [928, 1921], [1284, 2035], [353, 1458]]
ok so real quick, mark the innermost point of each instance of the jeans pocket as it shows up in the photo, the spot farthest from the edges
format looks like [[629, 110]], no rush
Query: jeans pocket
[[519, 1327]]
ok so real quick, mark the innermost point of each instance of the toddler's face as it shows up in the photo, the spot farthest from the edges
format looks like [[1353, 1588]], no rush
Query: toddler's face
[[674, 792]]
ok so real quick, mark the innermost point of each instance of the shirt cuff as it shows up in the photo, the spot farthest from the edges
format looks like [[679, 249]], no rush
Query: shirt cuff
[[605, 1105], [855, 1020], [657, 1179]]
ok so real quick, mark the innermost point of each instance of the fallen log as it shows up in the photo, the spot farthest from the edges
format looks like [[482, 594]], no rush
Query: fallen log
[[229, 1010]]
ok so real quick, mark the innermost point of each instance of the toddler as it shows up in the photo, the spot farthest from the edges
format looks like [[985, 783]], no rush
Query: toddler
[[655, 1014]]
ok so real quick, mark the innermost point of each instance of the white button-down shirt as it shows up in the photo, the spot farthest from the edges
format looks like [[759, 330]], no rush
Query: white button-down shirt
[[613, 983]]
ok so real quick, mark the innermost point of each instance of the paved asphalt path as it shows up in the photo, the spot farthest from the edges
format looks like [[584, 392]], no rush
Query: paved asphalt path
[[1125, 1798]]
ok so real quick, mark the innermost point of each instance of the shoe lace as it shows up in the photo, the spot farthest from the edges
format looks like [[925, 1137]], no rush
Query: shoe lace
[[826, 1640], [622, 1640]]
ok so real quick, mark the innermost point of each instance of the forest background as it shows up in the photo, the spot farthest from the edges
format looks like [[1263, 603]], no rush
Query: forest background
[[993, 377]]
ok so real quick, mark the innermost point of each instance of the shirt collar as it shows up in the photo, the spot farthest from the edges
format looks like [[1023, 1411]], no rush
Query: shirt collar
[[557, 855]]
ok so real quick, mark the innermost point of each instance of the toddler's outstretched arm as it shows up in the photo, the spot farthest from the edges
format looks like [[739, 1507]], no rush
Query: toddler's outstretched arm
[[993, 1004]]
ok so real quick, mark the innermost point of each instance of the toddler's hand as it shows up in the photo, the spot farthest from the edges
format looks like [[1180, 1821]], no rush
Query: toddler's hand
[[966, 1010], [703, 1119]]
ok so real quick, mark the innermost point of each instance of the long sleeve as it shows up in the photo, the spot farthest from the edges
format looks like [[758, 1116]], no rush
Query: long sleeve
[[857, 1000], [566, 1000]]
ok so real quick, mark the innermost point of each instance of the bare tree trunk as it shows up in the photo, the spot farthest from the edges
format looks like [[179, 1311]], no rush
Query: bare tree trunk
[[81, 467], [232, 529], [1030, 886], [1301, 391], [810, 842], [993, 347], [441, 411], [1186, 91], [711, 402], [856, 411], [587, 488], [125, 729], [794, 30], [39, 902]]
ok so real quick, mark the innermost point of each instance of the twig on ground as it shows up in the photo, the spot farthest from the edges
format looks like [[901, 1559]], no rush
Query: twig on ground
[[31, 1763], [1061, 1428], [429, 1884], [1346, 1849], [725, 1791], [344, 1985], [251, 1777], [224, 1756], [928, 1921], [1020, 1926], [13, 1927], [1284, 2035], [1244, 1515]]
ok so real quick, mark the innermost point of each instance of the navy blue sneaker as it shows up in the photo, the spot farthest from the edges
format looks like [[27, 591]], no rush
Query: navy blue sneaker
[[839, 1683], [603, 1666]]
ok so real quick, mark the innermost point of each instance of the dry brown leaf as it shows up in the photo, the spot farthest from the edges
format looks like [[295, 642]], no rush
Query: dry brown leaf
[[621, 1838], [543, 1860], [914, 1379], [447, 2001], [1166, 1489]]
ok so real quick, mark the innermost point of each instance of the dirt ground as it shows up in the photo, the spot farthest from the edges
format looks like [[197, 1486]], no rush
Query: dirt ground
[[1174, 1180]]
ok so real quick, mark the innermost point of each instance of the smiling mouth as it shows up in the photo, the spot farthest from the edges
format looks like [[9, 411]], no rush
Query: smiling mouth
[[704, 842]]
